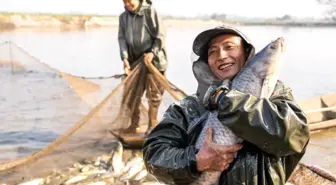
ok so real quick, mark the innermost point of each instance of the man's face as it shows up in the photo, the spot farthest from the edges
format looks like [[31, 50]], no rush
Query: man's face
[[226, 56], [131, 5]]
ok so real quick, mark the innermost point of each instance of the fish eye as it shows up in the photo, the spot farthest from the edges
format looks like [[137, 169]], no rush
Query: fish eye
[[273, 46]]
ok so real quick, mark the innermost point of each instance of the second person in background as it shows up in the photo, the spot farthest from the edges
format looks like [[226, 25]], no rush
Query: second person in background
[[142, 34]]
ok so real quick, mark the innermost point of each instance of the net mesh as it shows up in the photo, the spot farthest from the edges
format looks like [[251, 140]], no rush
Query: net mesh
[[311, 175], [51, 119]]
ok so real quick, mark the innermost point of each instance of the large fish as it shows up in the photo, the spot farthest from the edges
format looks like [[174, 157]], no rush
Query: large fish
[[258, 77]]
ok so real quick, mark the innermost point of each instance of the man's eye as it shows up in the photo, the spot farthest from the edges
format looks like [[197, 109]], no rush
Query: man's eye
[[230, 47], [211, 52]]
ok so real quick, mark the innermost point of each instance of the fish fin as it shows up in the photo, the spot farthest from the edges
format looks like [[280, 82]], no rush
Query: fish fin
[[264, 88], [267, 87]]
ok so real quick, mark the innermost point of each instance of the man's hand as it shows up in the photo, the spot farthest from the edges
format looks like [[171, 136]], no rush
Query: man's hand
[[127, 67], [213, 156], [149, 57]]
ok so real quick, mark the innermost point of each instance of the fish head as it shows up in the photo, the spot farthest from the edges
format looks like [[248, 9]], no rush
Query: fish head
[[276, 47], [268, 60]]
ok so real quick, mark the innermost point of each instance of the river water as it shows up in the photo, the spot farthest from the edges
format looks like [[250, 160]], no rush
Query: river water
[[308, 69]]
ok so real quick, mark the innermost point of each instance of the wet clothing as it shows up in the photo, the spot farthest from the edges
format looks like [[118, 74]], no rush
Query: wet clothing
[[140, 32], [274, 130], [154, 92]]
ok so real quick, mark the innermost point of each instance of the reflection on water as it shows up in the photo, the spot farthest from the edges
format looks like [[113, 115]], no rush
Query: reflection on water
[[16, 144]]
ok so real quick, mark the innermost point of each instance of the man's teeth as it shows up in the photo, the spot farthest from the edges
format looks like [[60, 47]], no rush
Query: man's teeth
[[225, 66]]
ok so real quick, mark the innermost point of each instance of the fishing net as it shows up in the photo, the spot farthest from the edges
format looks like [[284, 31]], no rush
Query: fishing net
[[311, 175], [51, 119]]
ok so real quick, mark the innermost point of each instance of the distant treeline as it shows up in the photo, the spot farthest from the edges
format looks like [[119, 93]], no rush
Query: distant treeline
[[331, 10]]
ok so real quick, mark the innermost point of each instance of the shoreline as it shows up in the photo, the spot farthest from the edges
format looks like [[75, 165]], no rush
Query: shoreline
[[13, 21]]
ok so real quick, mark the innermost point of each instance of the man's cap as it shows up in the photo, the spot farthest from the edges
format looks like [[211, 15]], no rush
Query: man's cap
[[202, 40]]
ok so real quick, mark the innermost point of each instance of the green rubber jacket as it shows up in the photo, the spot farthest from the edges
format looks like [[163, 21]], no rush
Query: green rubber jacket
[[140, 32], [274, 130]]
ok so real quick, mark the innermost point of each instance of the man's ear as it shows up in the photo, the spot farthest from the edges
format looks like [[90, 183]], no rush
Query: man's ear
[[247, 50]]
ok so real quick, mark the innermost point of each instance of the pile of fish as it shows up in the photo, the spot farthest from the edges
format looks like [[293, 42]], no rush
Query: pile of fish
[[107, 169], [110, 169]]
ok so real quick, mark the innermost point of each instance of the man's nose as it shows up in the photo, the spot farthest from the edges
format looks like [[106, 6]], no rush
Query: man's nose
[[223, 54]]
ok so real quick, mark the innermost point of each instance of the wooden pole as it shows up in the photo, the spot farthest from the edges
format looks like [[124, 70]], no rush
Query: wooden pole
[[322, 125], [11, 56], [320, 110]]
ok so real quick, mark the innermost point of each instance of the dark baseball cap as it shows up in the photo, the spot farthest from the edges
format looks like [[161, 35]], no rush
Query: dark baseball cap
[[202, 40]]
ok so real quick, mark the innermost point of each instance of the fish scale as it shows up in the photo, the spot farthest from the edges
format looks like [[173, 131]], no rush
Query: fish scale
[[258, 77], [223, 134], [247, 82]]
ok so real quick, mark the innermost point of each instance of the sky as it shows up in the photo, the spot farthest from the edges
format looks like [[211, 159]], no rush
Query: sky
[[248, 8]]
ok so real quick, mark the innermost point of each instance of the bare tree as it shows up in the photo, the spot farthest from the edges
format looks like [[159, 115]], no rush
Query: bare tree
[[327, 2], [331, 10]]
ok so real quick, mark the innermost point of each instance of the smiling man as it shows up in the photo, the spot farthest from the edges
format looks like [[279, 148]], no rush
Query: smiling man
[[226, 55], [274, 130]]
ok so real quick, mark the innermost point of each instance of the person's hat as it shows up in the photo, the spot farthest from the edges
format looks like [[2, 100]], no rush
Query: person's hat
[[202, 40]]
